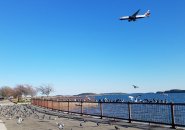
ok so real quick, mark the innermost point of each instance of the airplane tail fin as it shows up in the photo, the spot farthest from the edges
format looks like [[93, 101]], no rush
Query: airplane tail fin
[[147, 14]]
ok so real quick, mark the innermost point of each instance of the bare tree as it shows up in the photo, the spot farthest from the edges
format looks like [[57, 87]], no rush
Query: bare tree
[[24, 90], [6, 91], [30, 90], [45, 89], [19, 91]]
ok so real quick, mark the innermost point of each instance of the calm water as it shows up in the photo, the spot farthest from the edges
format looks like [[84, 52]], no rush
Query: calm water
[[170, 97], [160, 113]]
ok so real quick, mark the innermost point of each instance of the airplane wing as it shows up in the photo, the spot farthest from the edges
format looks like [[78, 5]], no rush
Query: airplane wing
[[134, 15]]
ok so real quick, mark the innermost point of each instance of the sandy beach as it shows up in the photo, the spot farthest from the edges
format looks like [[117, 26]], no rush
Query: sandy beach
[[73, 122]]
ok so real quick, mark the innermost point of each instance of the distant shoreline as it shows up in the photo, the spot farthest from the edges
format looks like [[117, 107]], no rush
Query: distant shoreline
[[114, 93], [172, 91]]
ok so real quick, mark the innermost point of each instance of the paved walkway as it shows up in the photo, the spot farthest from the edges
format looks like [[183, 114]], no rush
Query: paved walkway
[[2, 126]]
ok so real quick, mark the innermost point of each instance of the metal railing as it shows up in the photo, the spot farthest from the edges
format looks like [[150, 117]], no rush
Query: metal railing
[[160, 113]]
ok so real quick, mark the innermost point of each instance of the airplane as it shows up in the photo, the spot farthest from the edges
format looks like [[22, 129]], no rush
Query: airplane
[[135, 86], [135, 16]]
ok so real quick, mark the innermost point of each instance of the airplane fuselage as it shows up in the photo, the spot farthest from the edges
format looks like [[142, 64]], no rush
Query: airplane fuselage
[[132, 18], [135, 16]]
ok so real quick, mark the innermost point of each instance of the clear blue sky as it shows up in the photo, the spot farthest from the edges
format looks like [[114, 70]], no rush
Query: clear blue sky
[[81, 46]]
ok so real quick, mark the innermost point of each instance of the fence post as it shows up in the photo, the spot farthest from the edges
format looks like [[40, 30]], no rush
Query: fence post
[[47, 103], [101, 110], [61, 106], [58, 105], [129, 112], [68, 106], [172, 115], [81, 108], [52, 104], [42, 102]]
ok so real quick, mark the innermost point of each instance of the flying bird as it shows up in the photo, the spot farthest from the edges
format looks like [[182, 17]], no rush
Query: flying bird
[[135, 86]]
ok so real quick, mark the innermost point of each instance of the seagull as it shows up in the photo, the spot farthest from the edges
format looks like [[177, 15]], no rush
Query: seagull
[[60, 125], [135, 86], [98, 124], [43, 116], [49, 117], [84, 120], [19, 121], [36, 115], [117, 128]]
